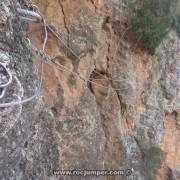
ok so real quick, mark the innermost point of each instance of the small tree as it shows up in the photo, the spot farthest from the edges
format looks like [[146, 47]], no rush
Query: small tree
[[151, 21]]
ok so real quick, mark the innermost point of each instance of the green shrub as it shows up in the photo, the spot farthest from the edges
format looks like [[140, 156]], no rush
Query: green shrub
[[176, 23], [152, 160], [151, 21]]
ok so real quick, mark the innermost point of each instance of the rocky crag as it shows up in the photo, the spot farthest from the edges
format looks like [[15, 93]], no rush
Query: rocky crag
[[119, 109]]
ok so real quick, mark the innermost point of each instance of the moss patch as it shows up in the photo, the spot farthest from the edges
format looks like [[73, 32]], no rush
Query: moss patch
[[152, 159]]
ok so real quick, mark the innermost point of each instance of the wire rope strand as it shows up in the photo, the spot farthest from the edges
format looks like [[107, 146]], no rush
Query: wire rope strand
[[9, 104]]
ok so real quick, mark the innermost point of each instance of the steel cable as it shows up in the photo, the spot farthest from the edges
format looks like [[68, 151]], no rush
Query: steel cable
[[9, 104]]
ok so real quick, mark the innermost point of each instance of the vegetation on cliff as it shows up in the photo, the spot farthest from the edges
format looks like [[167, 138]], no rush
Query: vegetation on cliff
[[152, 20]]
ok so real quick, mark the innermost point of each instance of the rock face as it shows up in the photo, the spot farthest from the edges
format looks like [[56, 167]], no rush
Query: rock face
[[105, 103]]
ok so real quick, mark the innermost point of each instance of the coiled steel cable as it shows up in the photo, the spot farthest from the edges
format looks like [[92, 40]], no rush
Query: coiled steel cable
[[9, 104]]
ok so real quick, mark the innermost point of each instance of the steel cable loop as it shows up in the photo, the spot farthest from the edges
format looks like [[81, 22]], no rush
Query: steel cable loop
[[8, 74], [9, 104], [66, 69], [2, 92], [61, 67], [39, 16]]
